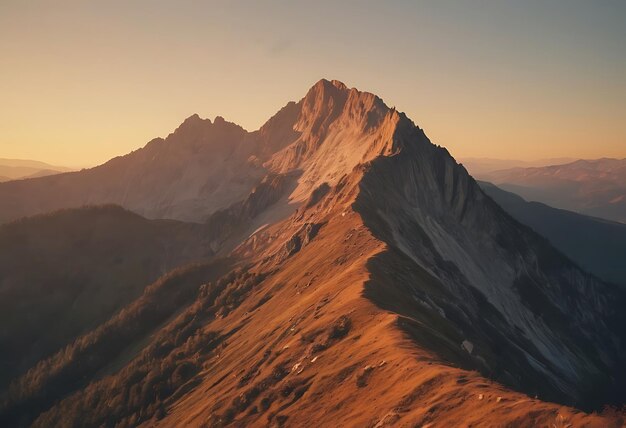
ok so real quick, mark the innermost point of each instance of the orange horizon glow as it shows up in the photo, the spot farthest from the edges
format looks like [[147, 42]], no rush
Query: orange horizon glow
[[82, 83]]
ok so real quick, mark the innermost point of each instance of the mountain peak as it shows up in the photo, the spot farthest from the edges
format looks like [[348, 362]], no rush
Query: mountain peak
[[329, 100], [338, 84], [327, 89], [335, 88], [331, 130], [194, 118], [192, 122], [331, 84], [195, 125]]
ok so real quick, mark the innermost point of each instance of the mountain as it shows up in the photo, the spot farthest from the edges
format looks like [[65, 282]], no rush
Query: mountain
[[593, 187], [13, 169], [198, 169], [595, 244], [42, 173], [371, 282], [478, 167], [27, 163], [62, 274]]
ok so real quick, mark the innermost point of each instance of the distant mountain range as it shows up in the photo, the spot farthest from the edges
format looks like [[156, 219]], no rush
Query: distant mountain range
[[14, 169], [593, 187], [478, 166]]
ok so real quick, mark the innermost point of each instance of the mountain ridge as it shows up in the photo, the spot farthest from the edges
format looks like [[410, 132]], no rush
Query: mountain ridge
[[70, 270], [380, 275], [593, 187], [19, 169]]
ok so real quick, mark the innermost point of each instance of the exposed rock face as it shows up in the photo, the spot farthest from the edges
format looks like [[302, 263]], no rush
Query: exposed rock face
[[339, 129], [374, 265], [237, 218], [536, 320]]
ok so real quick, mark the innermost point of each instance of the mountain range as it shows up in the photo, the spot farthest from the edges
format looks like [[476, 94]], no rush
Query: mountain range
[[201, 167], [479, 166], [593, 187], [15, 169], [349, 273]]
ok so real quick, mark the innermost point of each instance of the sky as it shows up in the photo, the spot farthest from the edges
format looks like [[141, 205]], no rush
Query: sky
[[83, 81]]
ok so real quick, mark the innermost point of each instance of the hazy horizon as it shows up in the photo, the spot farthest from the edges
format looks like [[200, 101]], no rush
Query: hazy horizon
[[83, 83]]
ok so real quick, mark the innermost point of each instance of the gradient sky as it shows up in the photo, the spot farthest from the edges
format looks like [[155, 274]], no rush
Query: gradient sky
[[83, 81]]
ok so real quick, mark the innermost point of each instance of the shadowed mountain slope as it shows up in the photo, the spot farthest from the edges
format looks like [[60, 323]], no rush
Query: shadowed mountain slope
[[595, 244], [64, 273]]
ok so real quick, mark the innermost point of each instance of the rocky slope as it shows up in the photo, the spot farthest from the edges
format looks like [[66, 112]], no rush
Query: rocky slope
[[377, 286]]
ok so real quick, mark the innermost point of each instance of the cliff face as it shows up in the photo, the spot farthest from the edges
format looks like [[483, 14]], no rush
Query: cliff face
[[377, 286], [530, 317], [339, 128]]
